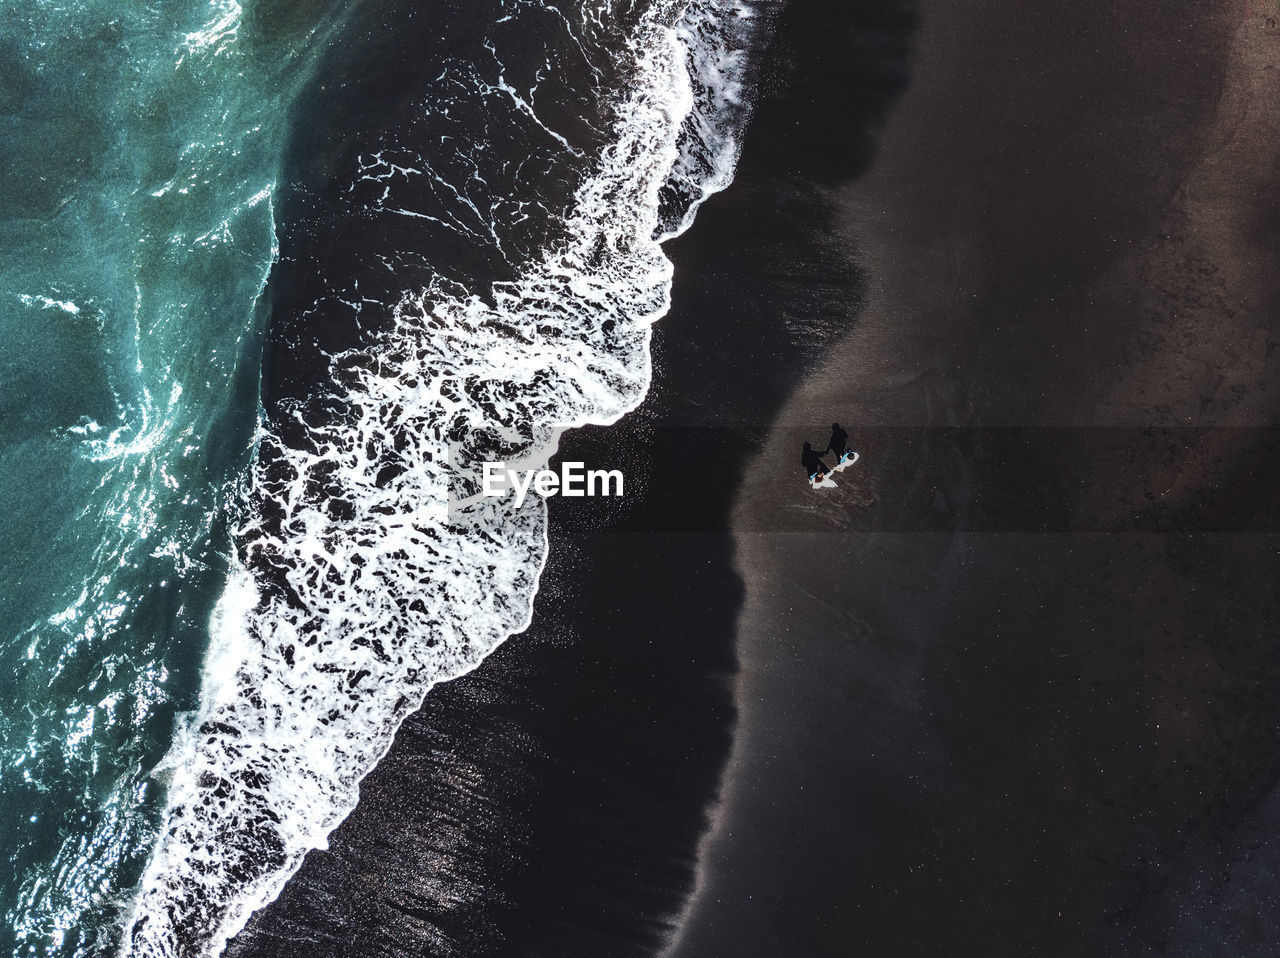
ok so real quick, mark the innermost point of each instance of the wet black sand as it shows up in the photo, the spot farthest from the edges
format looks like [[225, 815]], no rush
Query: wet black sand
[[1013, 687]]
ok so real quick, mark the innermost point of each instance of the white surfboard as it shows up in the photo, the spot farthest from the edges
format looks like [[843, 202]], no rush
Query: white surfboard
[[847, 460]]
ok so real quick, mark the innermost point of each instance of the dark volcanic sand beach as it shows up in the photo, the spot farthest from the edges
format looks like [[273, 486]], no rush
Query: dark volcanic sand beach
[[1013, 687], [551, 803]]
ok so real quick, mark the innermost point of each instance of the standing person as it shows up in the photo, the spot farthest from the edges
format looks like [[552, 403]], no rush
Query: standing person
[[839, 442], [814, 467]]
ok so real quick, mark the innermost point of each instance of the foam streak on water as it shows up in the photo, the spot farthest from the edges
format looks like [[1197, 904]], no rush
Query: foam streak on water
[[358, 586]]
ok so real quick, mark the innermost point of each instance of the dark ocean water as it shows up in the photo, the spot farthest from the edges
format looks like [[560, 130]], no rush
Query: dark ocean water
[[243, 569]]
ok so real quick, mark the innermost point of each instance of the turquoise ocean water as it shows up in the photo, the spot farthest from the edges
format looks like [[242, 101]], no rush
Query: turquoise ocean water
[[140, 150], [484, 220]]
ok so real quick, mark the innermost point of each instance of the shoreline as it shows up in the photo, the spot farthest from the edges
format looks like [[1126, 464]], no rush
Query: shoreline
[[1004, 687], [555, 796]]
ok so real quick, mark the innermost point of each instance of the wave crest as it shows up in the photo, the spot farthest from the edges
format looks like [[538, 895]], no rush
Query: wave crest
[[369, 570]]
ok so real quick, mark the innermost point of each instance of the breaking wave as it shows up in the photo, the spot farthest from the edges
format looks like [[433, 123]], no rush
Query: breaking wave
[[368, 567]]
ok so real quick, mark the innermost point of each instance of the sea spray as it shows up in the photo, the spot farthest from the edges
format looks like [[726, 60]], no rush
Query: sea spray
[[357, 584]]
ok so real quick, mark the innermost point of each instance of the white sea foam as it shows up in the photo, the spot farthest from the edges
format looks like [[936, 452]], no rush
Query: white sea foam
[[360, 587], [47, 302]]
